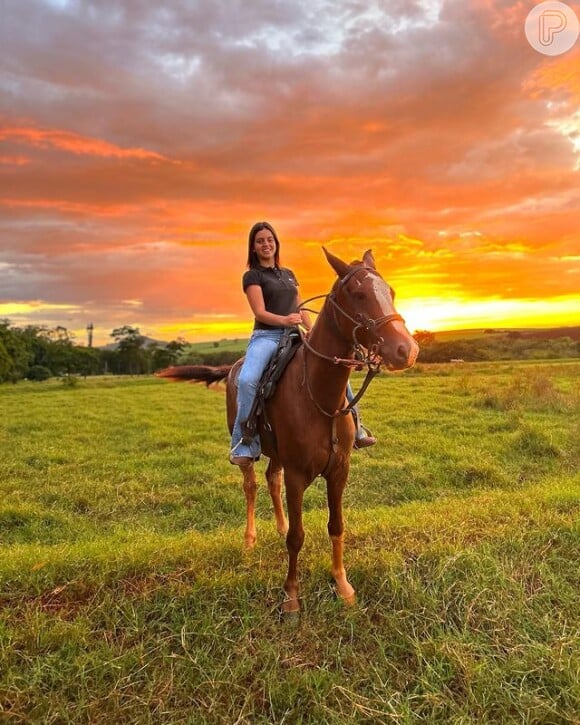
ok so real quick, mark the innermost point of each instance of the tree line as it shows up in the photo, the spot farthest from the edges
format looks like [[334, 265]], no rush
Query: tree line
[[496, 345], [38, 352]]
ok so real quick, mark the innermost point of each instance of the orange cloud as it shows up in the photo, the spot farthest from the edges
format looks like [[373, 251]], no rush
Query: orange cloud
[[14, 160], [561, 73], [74, 143]]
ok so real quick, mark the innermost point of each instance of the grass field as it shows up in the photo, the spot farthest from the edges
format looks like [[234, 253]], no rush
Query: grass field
[[127, 597]]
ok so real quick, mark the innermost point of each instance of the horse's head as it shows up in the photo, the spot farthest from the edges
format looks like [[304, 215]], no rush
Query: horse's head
[[365, 312]]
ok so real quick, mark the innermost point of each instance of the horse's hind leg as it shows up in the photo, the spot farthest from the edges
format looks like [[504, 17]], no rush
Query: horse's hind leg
[[335, 486], [274, 478], [250, 490]]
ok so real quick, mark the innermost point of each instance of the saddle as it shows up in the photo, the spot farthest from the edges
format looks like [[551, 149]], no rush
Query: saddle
[[287, 348]]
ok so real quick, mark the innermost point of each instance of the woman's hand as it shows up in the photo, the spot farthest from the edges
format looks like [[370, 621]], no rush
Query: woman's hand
[[293, 319]]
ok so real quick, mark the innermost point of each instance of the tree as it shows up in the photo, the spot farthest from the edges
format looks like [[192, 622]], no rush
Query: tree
[[61, 348], [5, 362], [38, 373], [164, 357], [85, 361], [424, 337], [130, 351], [126, 335], [16, 355]]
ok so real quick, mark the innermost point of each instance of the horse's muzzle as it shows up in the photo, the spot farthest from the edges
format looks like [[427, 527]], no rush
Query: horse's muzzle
[[400, 352]]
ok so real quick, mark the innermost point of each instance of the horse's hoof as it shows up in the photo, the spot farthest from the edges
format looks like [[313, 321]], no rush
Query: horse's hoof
[[349, 601], [290, 622], [290, 608], [345, 592], [250, 542], [290, 619]]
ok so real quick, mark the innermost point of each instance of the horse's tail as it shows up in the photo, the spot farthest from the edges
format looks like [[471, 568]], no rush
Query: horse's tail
[[195, 373]]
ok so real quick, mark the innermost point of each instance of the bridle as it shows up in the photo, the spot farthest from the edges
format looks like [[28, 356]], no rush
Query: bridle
[[368, 356]]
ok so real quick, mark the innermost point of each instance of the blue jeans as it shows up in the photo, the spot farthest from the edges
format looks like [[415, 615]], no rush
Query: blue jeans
[[261, 348], [360, 431]]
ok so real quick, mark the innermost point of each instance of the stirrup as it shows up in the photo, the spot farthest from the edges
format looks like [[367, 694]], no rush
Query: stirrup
[[241, 461], [364, 441]]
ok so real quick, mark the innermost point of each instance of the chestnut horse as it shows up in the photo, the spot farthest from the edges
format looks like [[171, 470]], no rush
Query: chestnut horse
[[312, 433]]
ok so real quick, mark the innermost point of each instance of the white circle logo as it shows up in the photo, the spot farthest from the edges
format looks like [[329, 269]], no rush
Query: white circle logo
[[552, 28]]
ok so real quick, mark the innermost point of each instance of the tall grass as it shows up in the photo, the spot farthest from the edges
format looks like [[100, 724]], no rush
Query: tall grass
[[126, 594]]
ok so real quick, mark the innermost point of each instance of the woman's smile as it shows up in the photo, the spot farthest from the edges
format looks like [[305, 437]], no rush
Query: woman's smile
[[265, 246]]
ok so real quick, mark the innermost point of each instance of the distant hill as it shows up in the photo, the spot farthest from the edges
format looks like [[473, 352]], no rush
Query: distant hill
[[540, 333], [148, 342], [239, 344], [552, 333]]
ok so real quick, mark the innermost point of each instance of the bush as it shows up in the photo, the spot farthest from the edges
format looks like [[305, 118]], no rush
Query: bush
[[69, 381], [38, 373]]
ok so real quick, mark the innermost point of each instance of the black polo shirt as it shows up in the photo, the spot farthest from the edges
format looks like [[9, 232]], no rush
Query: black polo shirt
[[280, 290]]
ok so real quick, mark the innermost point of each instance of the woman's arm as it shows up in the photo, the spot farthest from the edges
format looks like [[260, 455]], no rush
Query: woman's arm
[[256, 300]]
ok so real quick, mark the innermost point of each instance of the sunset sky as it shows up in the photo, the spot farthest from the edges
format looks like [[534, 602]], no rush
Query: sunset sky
[[139, 141]]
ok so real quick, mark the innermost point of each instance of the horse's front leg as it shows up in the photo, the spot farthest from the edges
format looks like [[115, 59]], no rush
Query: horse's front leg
[[250, 490], [335, 483], [274, 478], [295, 487]]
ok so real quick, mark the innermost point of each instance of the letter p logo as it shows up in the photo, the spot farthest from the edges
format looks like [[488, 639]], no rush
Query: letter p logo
[[552, 22], [552, 28]]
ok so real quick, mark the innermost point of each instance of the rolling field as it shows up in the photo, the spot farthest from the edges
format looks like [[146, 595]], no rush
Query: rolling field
[[126, 595]]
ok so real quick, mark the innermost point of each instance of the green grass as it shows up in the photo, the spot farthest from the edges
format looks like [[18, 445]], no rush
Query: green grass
[[126, 595]]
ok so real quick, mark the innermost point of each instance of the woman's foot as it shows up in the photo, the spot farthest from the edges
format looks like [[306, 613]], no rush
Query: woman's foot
[[363, 438], [242, 461], [364, 442]]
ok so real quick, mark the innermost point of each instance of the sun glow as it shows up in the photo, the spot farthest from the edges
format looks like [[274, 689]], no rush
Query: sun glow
[[454, 314], [10, 309]]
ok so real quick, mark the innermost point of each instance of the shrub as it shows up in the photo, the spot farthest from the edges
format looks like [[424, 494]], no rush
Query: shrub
[[38, 373], [536, 443], [533, 390], [69, 381]]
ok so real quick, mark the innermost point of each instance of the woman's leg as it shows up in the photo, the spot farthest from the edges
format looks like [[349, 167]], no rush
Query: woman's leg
[[261, 349], [363, 438]]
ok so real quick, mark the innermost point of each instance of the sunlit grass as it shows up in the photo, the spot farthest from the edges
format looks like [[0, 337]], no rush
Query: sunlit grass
[[126, 594]]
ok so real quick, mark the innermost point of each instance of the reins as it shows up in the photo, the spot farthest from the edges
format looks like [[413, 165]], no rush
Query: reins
[[362, 356]]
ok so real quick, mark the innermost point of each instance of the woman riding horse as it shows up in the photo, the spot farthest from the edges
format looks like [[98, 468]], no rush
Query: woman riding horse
[[272, 293], [310, 431]]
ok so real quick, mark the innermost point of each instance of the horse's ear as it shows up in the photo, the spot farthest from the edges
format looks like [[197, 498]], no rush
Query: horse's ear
[[369, 260], [341, 268]]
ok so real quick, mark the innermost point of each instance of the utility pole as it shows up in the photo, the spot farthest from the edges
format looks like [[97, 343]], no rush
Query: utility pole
[[90, 333]]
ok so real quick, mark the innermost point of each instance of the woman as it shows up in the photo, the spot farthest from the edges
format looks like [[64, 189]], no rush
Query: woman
[[272, 293]]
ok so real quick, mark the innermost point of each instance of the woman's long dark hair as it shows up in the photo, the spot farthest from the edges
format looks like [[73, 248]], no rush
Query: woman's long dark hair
[[252, 256]]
